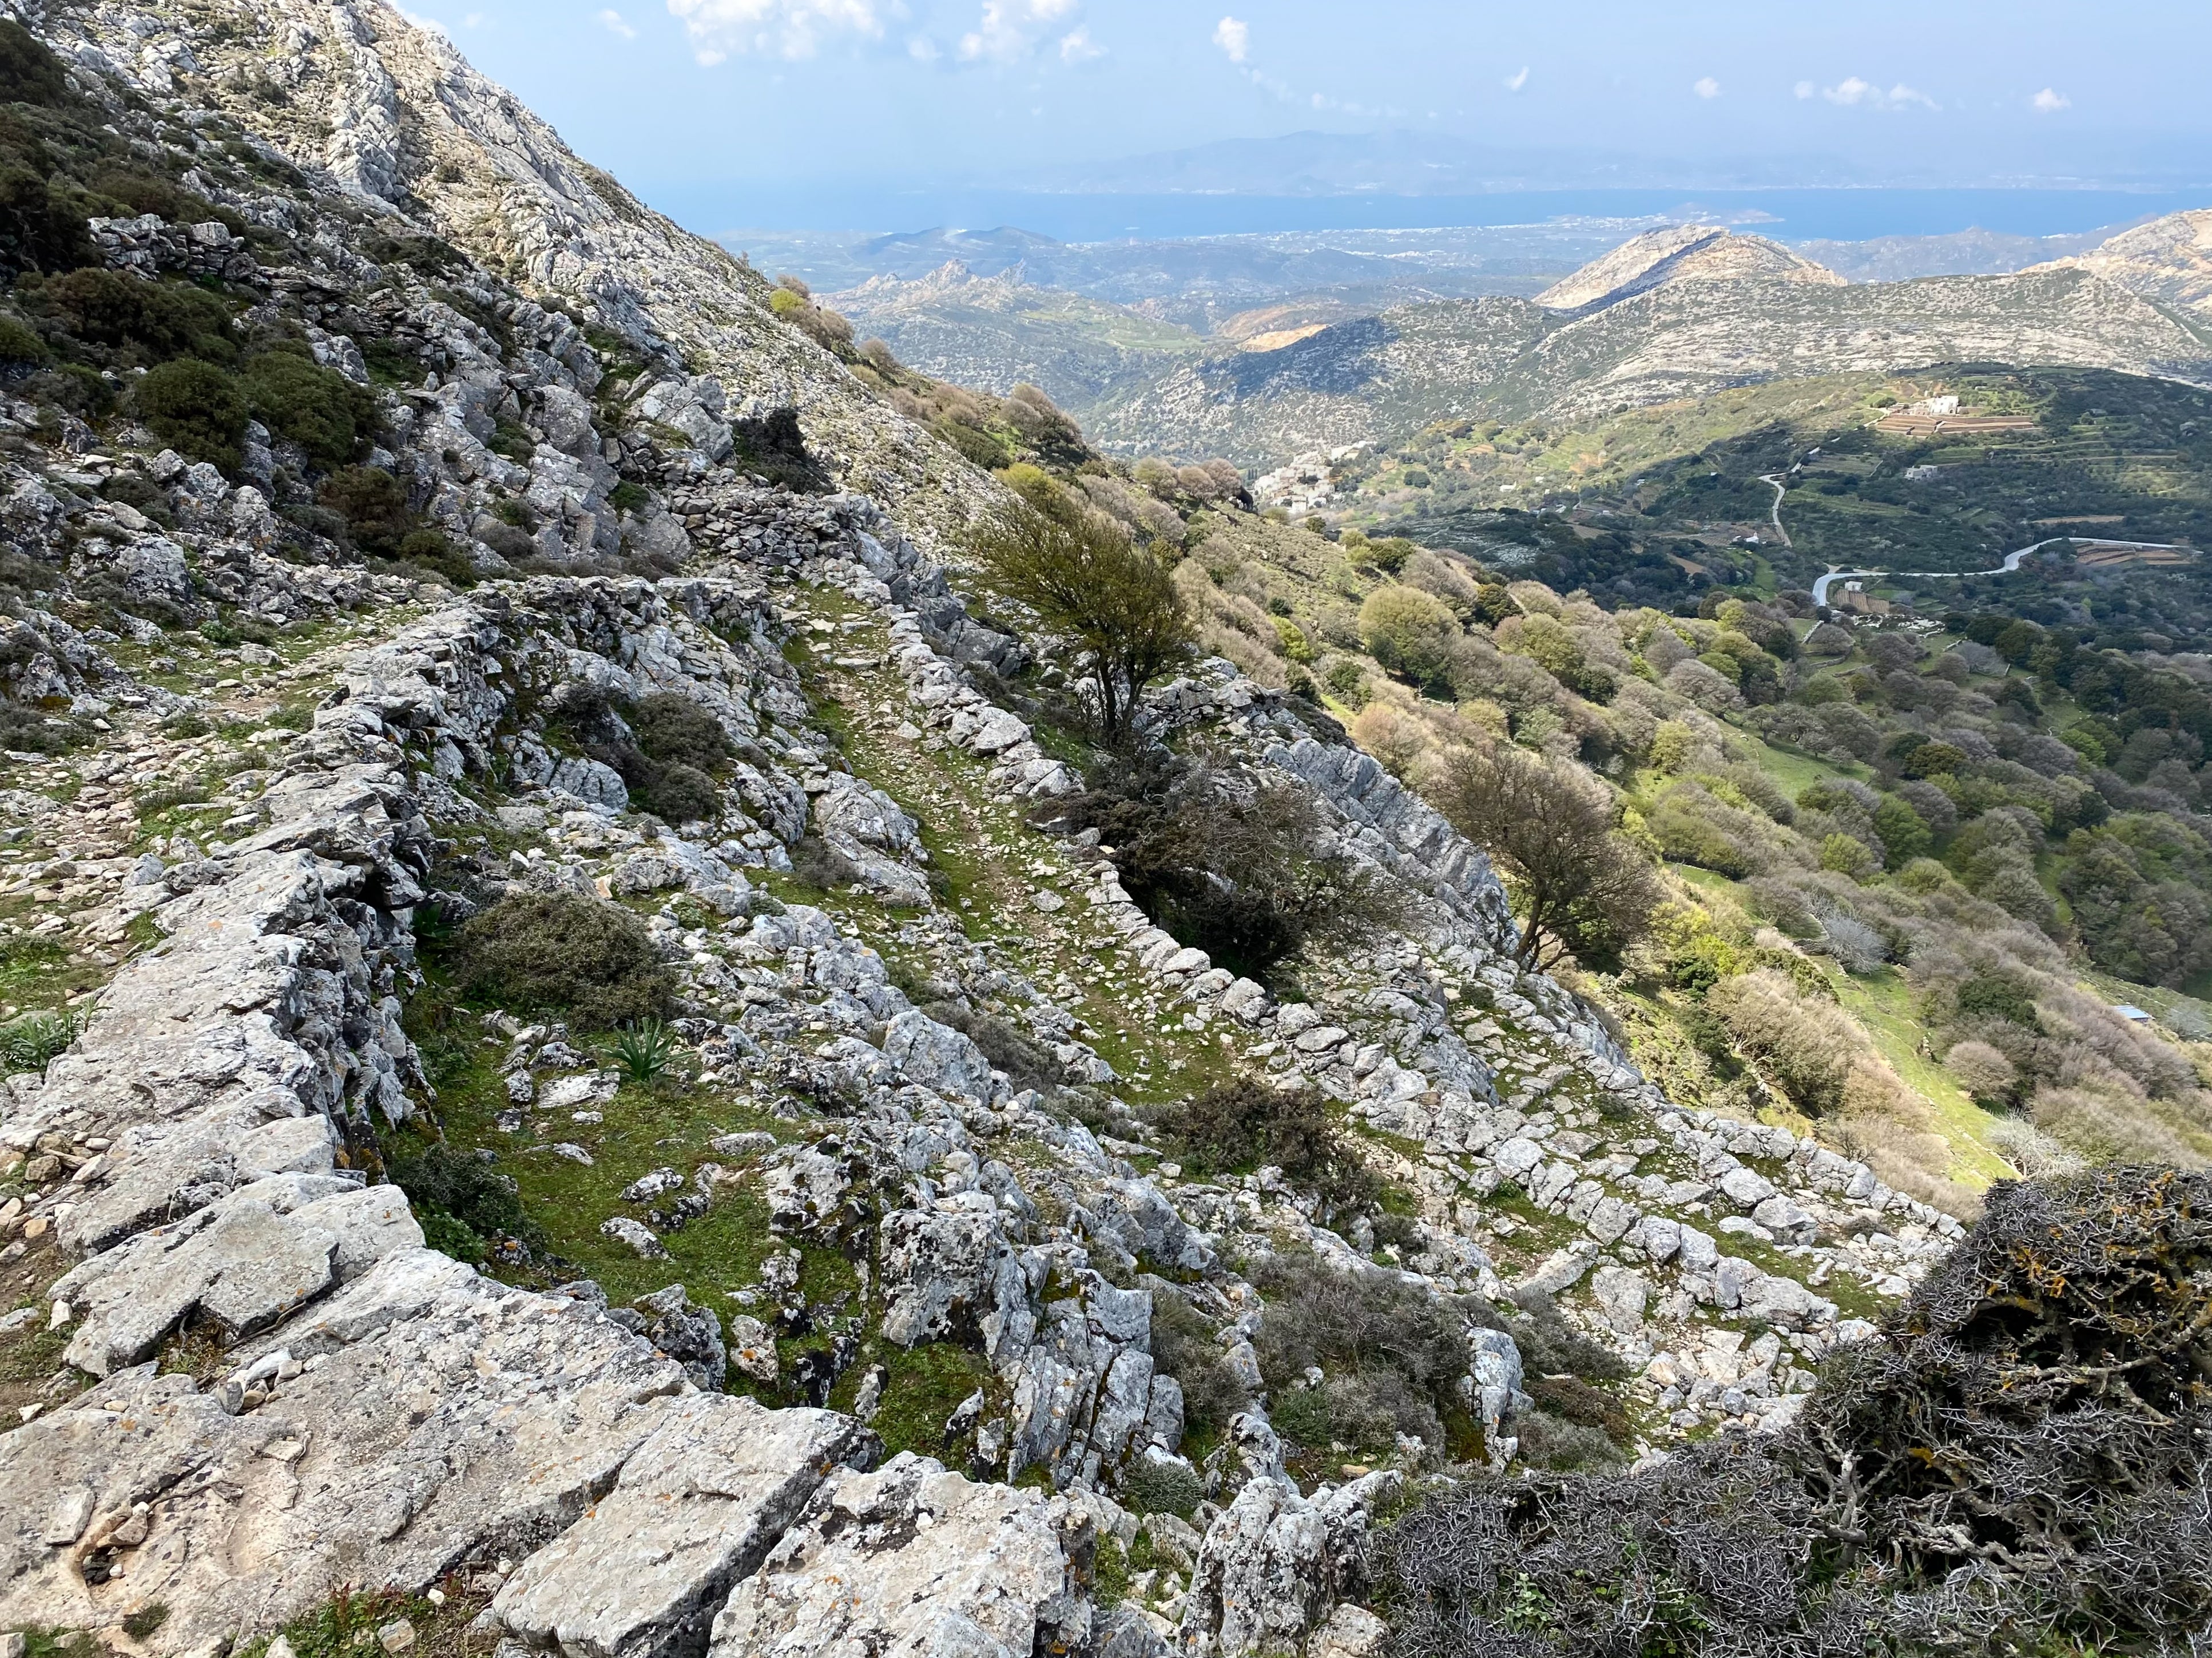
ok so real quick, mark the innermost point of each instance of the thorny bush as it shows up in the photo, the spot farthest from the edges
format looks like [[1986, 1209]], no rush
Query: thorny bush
[[2022, 1462]]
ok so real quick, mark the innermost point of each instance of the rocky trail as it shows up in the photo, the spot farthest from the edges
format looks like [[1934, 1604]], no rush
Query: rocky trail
[[829, 1331]]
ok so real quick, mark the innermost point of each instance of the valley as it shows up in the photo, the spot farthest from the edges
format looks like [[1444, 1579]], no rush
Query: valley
[[960, 948]]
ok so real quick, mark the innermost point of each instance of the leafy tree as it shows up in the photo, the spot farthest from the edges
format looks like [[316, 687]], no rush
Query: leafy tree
[[1903, 836], [1083, 578], [1584, 890]]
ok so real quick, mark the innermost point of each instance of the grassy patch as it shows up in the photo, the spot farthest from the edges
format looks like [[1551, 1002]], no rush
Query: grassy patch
[[1883, 1003], [641, 1129], [922, 1387]]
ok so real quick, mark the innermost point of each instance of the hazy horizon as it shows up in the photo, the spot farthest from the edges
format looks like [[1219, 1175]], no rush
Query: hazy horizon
[[756, 112]]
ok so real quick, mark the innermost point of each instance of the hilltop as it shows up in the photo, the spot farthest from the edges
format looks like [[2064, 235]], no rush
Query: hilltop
[[1679, 254]]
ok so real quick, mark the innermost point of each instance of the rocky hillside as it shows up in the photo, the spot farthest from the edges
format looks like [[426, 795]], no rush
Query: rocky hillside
[[2169, 260], [993, 333], [396, 117], [1382, 378], [571, 1082], [1679, 253]]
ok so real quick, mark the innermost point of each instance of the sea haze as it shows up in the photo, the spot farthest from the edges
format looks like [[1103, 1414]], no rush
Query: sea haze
[[1839, 215]]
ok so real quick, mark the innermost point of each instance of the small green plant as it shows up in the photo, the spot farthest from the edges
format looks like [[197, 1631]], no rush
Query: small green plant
[[34, 1041], [144, 1622], [644, 1050]]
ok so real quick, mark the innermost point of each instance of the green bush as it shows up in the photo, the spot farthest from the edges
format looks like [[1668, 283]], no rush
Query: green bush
[[19, 344], [319, 409], [373, 504], [431, 550], [677, 731], [1151, 1487], [34, 1041], [151, 321], [197, 408], [474, 1200], [561, 954], [1409, 632], [1241, 1124], [29, 74]]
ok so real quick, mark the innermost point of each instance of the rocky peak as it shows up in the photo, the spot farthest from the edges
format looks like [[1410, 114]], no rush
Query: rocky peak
[[1679, 253]]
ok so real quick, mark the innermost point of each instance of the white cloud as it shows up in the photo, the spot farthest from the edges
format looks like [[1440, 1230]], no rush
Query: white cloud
[[922, 50], [2050, 102], [429, 25], [1707, 88], [788, 29], [1233, 37], [1855, 92], [1805, 90], [1009, 29], [1514, 83], [615, 25], [1076, 46]]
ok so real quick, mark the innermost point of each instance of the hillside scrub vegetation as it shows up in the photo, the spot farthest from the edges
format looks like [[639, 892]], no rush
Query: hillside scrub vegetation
[[1874, 816], [2015, 1464], [1245, 872]]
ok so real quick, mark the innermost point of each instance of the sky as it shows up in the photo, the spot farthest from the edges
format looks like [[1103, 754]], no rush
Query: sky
[[714, 106]]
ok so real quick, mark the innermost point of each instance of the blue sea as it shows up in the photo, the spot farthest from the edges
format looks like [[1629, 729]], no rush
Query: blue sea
[[1841, 214]]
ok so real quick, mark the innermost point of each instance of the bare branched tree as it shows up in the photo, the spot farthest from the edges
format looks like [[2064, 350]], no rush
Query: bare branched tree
[[1551, 828]]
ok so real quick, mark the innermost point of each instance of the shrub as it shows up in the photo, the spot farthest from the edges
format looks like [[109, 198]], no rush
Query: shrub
[[1239, 1126], [29, 73], [1807, 1046], [476, 1202], [680, 794], [1981, 1071], [431, 550], [1150, 1487], [1243, 874], [1391, 1356], [1184, 1347], [2015, 1465], [1551, 1441], [563, 954], [677, 731], [1409, 632], [772, 445], [373, 504], [1026, 1065], [1550, 1346], [197, 408], [151, 321], [19, 345], [319, 409]]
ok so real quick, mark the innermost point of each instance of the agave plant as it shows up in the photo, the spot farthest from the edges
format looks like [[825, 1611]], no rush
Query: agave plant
[[644, 1050]]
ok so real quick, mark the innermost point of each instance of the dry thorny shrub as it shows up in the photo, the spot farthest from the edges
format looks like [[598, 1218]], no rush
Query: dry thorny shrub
[[2020, 1462]]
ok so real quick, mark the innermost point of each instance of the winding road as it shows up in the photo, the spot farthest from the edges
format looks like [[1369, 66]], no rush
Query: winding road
[[1781, 489], [2012, 560]]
